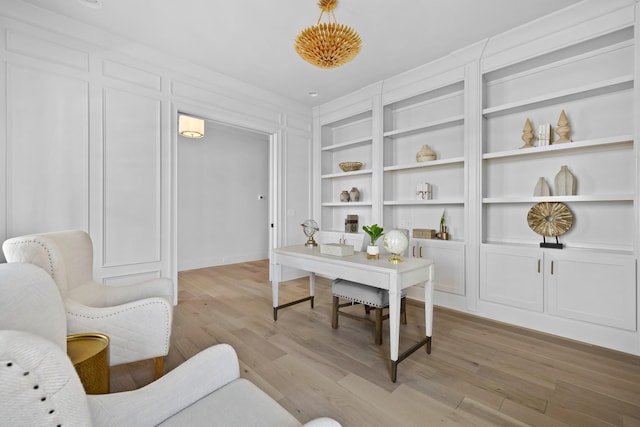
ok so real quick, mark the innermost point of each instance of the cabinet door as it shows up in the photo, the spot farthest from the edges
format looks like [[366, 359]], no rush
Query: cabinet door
[[597, 288], [449, 260], [512, 276]]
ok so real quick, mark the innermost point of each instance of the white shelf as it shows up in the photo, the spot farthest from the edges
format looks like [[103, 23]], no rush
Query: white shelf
[[627, 197], [449, 121], [605, 86], [458, 201], [345, 204], [577, 145], [432, 163], [348, 144], [439, 242], [567, 248], [345, 174]]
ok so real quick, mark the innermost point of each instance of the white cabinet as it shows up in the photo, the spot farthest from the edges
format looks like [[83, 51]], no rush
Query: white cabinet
[[579, 285], [449, 259]]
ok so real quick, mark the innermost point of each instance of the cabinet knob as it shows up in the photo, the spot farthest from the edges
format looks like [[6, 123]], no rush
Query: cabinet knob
[[538, 265], [552, 267], [413, 251], [420, 251]]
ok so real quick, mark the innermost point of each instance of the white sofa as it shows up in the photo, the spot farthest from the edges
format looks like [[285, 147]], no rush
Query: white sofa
[[39, 386]]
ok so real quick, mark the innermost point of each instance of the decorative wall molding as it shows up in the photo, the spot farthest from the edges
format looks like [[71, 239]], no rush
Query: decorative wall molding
[[130, 74]]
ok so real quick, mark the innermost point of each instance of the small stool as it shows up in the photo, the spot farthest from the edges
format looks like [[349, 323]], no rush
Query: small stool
[[370, 297]]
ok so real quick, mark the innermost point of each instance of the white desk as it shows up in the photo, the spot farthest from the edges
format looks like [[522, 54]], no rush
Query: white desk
[[377, 273]]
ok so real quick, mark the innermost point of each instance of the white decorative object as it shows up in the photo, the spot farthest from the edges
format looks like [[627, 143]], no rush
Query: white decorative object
[[354, 194], [542, 188], [545, 135], [425, 154], [563, 129], [336, 249], [396, 242], [423, 191], [527, 134], [565, 182]]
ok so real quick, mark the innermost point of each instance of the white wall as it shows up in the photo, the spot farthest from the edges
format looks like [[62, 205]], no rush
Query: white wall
[[221, 220], [91, 139]]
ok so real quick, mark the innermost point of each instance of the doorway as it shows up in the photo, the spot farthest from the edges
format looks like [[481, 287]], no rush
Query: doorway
[[223, 197]]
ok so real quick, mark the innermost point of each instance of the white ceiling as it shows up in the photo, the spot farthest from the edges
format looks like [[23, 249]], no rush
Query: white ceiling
[[252, 40]]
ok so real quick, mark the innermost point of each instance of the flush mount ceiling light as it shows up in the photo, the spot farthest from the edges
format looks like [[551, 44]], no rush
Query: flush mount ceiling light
[[328, 45], [190, 127]]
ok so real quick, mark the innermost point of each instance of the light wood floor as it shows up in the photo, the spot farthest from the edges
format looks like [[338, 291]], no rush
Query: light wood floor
[[480, 373]]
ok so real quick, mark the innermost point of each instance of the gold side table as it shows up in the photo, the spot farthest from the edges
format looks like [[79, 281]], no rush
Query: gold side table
[[89, 353]]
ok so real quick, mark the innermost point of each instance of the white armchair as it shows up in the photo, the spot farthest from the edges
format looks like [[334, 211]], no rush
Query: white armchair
[[39, 386], [137, 318]]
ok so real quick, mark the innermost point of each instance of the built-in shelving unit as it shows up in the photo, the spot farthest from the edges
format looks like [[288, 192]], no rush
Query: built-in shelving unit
[[470, 109], [595, 89], [348, 139], [434, 117], [592, 82]]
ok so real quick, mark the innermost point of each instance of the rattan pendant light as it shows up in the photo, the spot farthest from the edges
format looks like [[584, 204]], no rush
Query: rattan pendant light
[[328, 45]]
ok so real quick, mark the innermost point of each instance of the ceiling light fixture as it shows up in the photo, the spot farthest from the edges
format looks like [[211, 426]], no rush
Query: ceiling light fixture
[[190, 127], [328, 45]]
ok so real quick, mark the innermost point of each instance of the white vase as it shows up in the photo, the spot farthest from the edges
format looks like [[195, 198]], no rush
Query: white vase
[[542, 188], [373, 252], [565, 182], [354, 194]]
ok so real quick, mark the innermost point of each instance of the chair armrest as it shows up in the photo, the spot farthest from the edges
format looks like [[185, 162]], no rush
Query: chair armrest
[[322, 422], [97, 295], [196, 378], [160, 287], [138, 330]]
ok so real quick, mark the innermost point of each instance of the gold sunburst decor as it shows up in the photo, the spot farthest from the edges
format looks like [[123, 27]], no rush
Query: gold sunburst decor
[[329, 44], [550, 219]]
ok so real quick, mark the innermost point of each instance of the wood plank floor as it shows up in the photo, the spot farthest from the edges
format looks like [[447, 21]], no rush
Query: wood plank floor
[[480, 373]]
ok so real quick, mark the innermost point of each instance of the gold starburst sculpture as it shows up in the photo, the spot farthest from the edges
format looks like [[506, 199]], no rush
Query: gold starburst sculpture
[[550, 219], [328, 45]]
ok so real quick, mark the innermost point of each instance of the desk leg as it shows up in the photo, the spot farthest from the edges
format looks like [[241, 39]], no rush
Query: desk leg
[[394, 325], [275, 283], [312, 286], [428, 308], [394, 329]]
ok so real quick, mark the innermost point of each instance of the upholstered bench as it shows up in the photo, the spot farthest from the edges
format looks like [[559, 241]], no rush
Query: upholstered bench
[[370, 297]]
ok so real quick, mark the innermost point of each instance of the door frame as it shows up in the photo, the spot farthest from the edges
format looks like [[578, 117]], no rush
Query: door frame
[[241, 122]]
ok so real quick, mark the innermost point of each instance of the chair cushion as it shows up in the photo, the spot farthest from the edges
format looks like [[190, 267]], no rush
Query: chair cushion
[[363, 294], [240, 404]]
